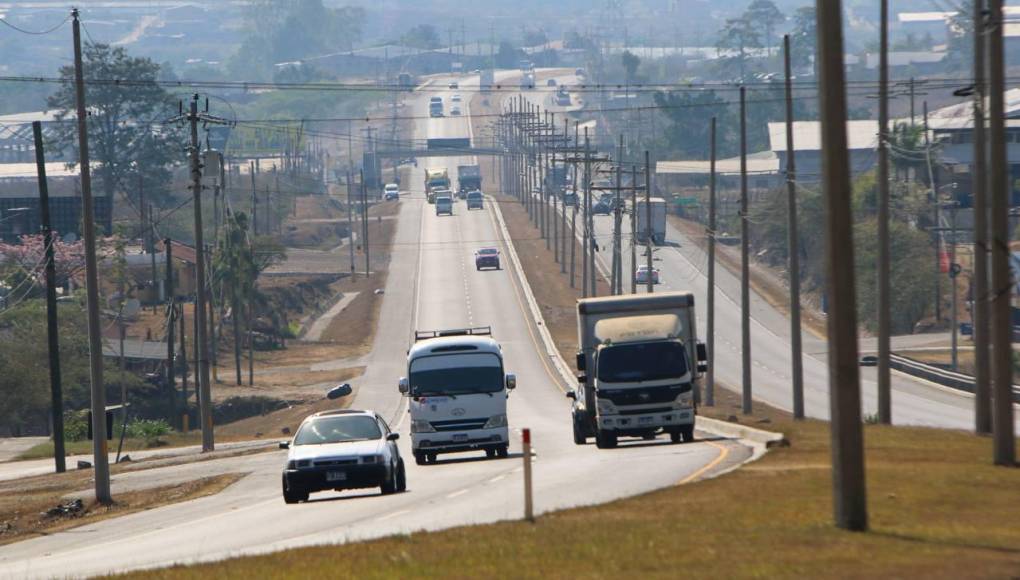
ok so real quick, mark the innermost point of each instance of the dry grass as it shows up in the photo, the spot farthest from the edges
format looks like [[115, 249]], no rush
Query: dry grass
[[938, 509], [23, 502]]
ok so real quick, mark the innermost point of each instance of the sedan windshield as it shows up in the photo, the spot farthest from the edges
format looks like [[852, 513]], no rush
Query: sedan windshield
[[459, 374], [649, 361], [337, 429]]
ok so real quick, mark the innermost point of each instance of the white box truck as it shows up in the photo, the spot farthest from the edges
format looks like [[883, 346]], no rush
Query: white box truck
[[658, 228], [458, 391], [639, 359]]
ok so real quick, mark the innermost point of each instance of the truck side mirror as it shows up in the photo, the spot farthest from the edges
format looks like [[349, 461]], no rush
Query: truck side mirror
[[511, 381], [403, 386], [702, 352], [572, 395], [581, 361], [582, 378], [284, 444]]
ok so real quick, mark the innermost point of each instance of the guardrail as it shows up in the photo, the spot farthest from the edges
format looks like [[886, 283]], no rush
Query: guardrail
[[946, 378]]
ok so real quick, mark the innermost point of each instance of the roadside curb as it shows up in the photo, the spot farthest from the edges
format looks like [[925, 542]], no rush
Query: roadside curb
[[768, 439]]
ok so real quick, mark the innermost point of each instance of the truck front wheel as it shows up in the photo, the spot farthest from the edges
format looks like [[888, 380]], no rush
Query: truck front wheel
[[579, 436], [605, 439], [688, 434]]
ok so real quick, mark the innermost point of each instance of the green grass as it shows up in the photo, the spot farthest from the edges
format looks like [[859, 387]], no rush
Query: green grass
[[938, 508]]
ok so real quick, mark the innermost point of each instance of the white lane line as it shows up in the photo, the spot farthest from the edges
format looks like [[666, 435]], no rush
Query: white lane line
[[392, 515], [497, 478], [457, 493]]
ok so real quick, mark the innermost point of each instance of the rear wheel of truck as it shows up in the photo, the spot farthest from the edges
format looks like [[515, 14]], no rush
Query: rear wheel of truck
[[675, 437], [605, 439], [430, 457], [420, 458], [490, 453]]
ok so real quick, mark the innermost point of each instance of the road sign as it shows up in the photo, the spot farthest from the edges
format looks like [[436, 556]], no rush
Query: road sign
[[687, 201], [954, 270]]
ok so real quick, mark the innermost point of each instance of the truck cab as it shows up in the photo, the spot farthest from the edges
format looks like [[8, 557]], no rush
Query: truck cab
[[458, 392], [639, 360]]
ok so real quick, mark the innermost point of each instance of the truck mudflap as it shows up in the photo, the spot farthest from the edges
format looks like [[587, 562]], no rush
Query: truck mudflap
[[642, 421]]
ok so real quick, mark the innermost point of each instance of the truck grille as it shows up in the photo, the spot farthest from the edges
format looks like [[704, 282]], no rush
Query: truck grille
[[335, 462], [645, 411], [459, 424], [644, 395]]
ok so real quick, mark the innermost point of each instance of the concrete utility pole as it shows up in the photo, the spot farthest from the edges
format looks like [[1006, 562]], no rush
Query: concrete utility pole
[[563, 205], [953, 286], [193, 117], [184, 363], [745, 266], [350, 226], [793, 244], [633, 228], [979, 188], [710, 328], [364, 225], [1003, 439], [52, 338], [884, 290], [650, 285], [618, 224], [101, 461], [171, 312], [586, 247], [849, 492]]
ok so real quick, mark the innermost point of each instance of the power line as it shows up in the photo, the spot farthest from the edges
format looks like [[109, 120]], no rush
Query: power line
[[35, 32]]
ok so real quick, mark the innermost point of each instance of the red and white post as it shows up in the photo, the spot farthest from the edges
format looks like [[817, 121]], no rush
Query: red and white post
[[529, 513]]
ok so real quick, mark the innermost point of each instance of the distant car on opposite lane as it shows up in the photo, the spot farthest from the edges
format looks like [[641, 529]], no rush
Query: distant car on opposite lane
[[444, 204], [391, 192], [453, 85], [455, 98], [342, 449], [487, 258], [455, 110]]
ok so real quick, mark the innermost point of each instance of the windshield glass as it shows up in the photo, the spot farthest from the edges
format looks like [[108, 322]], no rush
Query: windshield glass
[[488, 251], [650, 361], [456, 374], [337, 430]]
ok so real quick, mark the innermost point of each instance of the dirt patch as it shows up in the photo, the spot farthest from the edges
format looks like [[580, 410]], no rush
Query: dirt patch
[[30, 508], [279, 424]]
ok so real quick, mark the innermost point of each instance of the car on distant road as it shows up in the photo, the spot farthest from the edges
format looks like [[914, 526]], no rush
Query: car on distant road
[[487, 258], [391, 192], [550, 83], [455, 98], [454, 85], [455, 110], [475, 200], [641, 276], [342, 449], [601, 208], [569, 199], [444, 204]]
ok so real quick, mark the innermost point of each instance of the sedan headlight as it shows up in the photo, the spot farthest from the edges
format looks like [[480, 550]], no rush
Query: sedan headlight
[[299, 463], [496, 421], [372, 459], [292, 464], [422, 426]]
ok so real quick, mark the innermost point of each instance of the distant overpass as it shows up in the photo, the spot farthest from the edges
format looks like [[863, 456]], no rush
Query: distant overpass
[[401, 153]]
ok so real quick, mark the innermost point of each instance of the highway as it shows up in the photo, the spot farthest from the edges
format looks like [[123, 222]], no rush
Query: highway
[[432, 284]]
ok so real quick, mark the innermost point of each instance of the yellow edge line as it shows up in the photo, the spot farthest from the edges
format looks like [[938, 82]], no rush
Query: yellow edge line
[[723, 454]]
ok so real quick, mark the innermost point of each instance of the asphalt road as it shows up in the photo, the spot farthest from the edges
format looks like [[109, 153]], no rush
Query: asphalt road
[[432, 284]]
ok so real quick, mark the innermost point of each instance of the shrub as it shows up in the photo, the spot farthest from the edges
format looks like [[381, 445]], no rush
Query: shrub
[[149, 430]]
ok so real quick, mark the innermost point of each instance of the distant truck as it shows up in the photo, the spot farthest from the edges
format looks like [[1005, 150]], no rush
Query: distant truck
[[639, 359], [658, 224], [406, 81], [486, 80], [436, 107], [436, 178], [469, 178]]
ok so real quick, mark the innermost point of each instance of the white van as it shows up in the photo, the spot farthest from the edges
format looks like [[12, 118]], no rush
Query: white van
[[458, 391]]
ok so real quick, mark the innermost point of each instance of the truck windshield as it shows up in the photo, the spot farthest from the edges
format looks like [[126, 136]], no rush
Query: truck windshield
[[456, 374], [648, 361]]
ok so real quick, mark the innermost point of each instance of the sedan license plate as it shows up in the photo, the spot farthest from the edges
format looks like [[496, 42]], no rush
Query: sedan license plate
[[460, 437], [336, 476]]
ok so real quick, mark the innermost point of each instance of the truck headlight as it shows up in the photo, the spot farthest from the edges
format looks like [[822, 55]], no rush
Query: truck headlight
[[684, 400], [495, 421], [422, 426], [606, 407]]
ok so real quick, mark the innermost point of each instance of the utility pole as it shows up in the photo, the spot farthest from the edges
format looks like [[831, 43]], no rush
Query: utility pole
[[202, 340], [979, 187], [710, 328], [586, 191], [650, 285], [254, 204], [618, 223], [52, 338], [793, 243], [1003, 439], [350, 226], [171, 313], [633, 229], [953, 286], [745, 267], [884, 289], [364, 224], [938, 219], [184, 363], [849, 492], [101, 460], [563, 205]]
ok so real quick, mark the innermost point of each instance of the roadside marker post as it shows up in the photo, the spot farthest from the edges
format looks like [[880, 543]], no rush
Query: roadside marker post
[[529, 513]]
